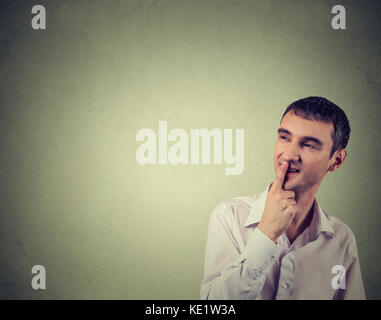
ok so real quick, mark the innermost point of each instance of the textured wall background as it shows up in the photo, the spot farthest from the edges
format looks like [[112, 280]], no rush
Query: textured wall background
[[73, 96]]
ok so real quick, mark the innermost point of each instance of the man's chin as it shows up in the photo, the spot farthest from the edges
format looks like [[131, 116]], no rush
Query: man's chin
[[289, 186]]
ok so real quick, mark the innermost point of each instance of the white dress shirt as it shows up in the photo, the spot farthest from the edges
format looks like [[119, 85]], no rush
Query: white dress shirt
[[241, 262]]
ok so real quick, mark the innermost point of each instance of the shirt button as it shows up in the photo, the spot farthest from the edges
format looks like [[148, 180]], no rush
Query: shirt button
[[271, 259], [283, 285]]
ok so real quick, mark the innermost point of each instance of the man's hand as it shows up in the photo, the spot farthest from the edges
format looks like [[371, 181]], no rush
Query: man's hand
[[280, 207]]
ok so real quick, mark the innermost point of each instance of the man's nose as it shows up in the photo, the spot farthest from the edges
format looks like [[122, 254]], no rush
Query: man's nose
[[291, 153]]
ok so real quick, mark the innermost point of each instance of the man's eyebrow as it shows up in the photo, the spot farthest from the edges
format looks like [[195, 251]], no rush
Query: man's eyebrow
[[313, 139], [316, 140], [281, 130]]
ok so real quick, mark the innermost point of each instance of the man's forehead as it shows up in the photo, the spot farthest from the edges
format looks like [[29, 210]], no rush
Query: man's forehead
[[299, 126]]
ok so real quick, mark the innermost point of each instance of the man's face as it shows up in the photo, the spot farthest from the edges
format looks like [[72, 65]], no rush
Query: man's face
[[306, 145]]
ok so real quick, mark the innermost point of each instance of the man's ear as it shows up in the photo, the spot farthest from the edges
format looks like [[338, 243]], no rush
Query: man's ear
[[338, 159]]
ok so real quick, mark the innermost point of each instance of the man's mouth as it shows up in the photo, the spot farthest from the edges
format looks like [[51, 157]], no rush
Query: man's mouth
[[292, 170]]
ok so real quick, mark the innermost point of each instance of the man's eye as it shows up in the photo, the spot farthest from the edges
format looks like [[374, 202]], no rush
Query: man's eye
[[284, 138], [310, 146]]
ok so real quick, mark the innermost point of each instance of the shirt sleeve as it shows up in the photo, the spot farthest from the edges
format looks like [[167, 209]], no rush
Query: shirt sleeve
[[233, 271], [354, 287]]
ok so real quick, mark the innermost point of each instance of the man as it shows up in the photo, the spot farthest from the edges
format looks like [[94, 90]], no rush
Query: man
[[280, 244]]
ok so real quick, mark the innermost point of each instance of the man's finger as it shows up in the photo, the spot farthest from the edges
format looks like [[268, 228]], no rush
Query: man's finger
[[280, 173], [288, 194]]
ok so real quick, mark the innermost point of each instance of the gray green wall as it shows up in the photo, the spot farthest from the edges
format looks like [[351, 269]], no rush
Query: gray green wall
[[72, 97]]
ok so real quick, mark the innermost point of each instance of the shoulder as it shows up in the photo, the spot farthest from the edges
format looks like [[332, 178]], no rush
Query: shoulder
[[234, 210], [343, 234], [228, 219]]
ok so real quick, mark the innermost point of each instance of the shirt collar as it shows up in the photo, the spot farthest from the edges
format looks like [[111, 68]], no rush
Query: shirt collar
[[319, 221], [257, 208]]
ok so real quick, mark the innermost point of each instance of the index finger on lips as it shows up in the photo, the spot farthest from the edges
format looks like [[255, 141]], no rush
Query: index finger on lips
[[280, 174]]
